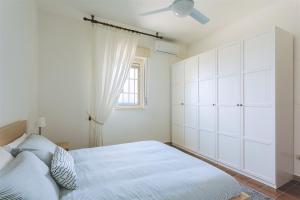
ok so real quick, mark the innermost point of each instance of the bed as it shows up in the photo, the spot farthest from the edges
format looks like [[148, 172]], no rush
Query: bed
[[147, 170]]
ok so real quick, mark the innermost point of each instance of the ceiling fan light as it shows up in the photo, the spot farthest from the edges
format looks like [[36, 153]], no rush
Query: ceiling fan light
[[182, 8]]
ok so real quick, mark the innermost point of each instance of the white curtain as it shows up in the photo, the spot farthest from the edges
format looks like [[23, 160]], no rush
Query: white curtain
[[114, 52]]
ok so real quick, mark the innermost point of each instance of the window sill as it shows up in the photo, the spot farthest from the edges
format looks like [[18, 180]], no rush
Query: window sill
[[129, 107]]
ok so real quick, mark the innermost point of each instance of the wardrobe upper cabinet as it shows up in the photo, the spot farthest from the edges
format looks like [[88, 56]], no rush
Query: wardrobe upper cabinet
[[207, 65], [177, 85], [207, 104], [191, 81], [229, 75], [259, 52]]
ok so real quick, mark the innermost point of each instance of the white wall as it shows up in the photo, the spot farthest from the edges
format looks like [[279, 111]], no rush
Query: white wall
[[18, 62], [64, 90], [64, 77], [285, 14]]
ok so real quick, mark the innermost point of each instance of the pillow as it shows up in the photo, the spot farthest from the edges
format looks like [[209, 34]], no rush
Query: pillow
[[39, 145], [15, 143], [5, 157], [27, 177], [63, 170]]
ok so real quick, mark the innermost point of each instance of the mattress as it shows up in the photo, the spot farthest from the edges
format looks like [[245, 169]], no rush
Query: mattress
[[147, 170]]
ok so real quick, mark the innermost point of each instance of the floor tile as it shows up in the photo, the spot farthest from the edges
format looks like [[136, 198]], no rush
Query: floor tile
[[287, 186], [294, 191], [256, 185], [232, 173], [286, 196], [271, 192], [241, 179]]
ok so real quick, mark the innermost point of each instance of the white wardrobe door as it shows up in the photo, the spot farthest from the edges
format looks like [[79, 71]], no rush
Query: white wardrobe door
[[207, 65], [191, 139], [191, 116], [177, 104], [191, 69], [207, 102], [207, 145], [191, 104], [191, 93], [178, 73], [178, 115], [177, 134], [177, 93], [229, 109], [259, 52], [259, 110], [177, 83]]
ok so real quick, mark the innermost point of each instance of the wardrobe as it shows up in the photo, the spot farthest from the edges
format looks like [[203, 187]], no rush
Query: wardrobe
[[233, 105]]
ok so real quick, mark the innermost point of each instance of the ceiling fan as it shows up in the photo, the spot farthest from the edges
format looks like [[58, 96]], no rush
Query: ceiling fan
[[182, 8]]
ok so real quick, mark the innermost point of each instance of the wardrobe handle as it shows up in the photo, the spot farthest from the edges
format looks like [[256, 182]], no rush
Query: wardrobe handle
[[238, 104], [241, 104], [214, 105], [182, 104]]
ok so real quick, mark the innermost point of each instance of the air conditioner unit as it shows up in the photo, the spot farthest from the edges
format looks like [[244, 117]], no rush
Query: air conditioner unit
[[166, 47]]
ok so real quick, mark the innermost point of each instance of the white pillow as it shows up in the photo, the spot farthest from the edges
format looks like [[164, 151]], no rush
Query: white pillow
[[15, 143], [5, 157]]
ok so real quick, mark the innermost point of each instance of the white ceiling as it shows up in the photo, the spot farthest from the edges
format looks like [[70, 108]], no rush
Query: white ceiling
[[220, 12]]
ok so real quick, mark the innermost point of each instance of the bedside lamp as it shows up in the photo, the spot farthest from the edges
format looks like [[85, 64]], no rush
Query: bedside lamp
[[41, 123]]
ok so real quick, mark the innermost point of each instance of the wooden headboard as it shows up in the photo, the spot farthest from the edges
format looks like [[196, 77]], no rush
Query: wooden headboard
[[12, 131]]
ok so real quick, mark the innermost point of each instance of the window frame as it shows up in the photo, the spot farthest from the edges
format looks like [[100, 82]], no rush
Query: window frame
[[140, 63]]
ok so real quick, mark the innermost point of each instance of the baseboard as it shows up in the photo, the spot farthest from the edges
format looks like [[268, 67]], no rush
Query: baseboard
[[168, 143], [297, 178]]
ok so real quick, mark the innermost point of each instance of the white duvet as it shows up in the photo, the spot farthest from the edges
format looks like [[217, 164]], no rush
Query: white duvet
[[147, 171]]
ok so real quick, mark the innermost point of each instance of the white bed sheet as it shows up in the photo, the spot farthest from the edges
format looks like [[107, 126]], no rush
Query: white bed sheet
[[147, 170]]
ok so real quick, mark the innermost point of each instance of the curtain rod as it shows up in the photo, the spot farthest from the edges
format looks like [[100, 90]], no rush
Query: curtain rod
[[92, 20]]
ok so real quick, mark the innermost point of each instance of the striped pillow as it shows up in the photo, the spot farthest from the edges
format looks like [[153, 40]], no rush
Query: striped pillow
[[63, 169]]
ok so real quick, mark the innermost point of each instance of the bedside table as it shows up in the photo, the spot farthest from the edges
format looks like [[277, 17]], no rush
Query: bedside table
[[64, 145]]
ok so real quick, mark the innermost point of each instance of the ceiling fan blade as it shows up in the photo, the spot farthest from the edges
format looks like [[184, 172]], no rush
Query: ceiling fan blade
[[197, 15], [156, 11]]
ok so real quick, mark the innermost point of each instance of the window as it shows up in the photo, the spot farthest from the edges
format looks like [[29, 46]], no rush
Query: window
[[132, 95]]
